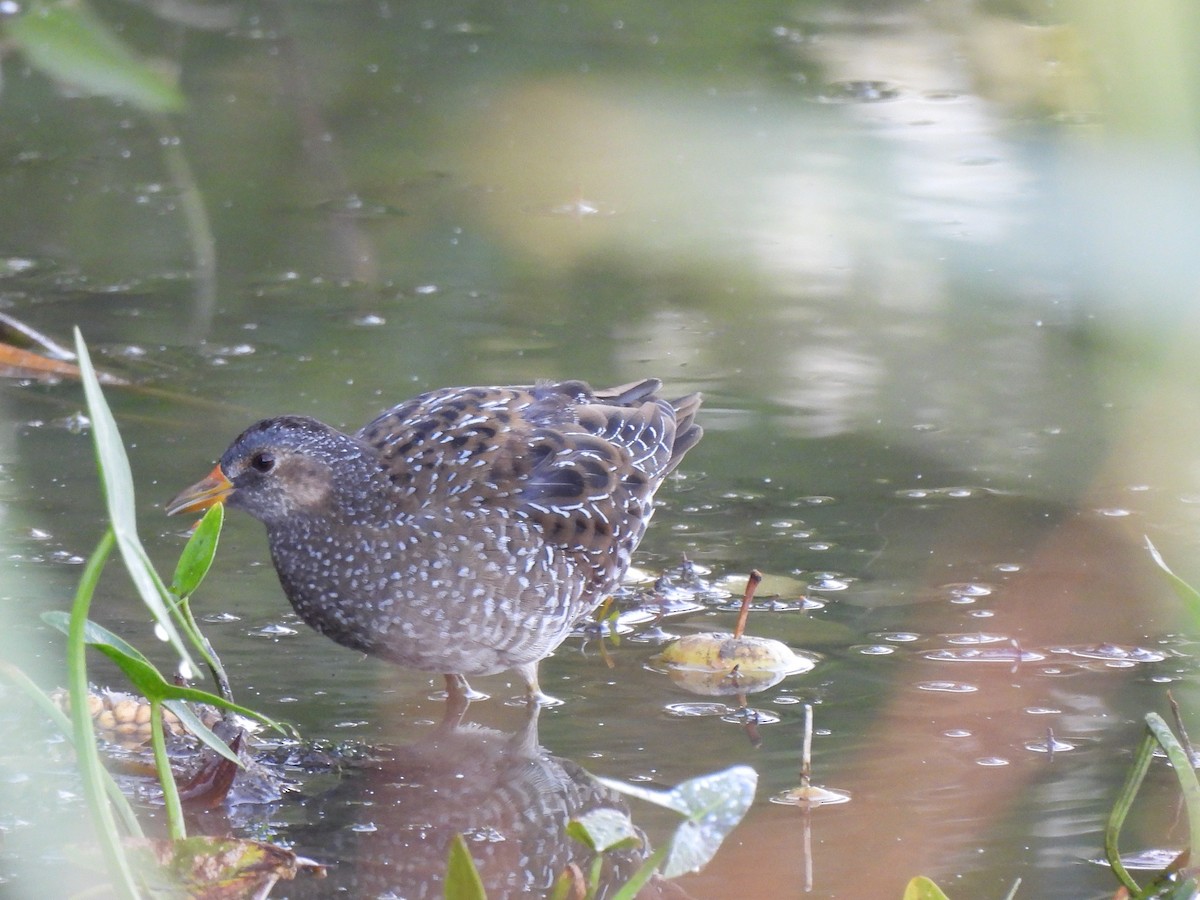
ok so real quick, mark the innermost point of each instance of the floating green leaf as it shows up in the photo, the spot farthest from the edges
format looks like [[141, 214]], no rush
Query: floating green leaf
[[713, 806], [462, 878], [198, 553], [70, 43]]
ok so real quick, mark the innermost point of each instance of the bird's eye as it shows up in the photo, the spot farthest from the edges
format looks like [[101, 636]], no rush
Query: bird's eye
[[262, 462]]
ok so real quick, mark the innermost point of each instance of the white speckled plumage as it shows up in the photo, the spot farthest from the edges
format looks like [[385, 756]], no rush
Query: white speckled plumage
[[466, 530]]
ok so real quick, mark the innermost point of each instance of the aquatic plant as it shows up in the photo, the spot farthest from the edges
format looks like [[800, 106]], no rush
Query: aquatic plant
[[110, 812]]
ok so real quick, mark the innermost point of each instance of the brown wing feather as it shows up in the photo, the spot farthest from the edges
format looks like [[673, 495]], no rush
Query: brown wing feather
[[581, 465]]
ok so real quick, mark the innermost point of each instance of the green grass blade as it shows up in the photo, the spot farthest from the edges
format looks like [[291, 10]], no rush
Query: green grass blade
[[117, 479], [629, 890]]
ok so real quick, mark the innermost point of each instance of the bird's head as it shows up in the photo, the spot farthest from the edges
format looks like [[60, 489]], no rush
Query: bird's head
[[276, 470]]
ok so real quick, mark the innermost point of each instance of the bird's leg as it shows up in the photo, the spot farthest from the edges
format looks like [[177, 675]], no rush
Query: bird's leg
[[457, 702], [533, 691], [458, 690]]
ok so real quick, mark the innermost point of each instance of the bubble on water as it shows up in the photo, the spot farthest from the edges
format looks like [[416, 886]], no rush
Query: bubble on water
[[976, 638], [1049, 744], [827, 581], [811, 796], [988, 655], [746, 715], [956, 733], [275, 630], [859, 91], [947, 687], [814, 500], [897, 637], [1114, 653], [875, 650], [220, 618], [967, 589], [991, 761], [696, 710]]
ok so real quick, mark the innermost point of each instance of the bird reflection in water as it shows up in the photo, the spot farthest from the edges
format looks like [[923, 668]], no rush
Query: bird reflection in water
[[386, 828]]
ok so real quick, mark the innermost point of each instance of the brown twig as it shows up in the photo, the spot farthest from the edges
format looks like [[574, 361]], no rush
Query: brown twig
[[752, 584]]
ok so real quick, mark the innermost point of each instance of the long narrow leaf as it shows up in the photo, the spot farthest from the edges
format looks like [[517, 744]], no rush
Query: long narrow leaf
[[1116, 818], [118, 494], [70, 43], [462, 878], [1188, 594], [94, 634], [1184, 774]]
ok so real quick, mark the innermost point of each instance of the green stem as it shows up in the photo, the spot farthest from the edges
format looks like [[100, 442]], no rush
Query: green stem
[[175, 824], [56, 715], [183, 610], [91, 770]]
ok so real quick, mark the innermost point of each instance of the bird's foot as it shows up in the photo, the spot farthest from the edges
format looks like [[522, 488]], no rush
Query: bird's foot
[[534, 696], [459, 690]]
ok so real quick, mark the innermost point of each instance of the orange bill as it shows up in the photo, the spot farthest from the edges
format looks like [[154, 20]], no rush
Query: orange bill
[[203, 494]]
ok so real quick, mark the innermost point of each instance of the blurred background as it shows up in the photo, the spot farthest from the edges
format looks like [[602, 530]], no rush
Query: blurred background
[[933, 265]]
